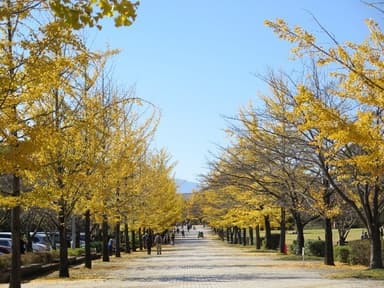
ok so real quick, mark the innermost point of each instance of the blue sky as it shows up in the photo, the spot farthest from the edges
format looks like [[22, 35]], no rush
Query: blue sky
[[196, 61]]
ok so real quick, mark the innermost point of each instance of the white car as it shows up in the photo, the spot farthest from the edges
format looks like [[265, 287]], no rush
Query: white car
[[37, 247], [40, 242], [6, 245], [6, 235], [6, 242]]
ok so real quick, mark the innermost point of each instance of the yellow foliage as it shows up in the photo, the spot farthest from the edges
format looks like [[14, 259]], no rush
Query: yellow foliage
[[350, 141]]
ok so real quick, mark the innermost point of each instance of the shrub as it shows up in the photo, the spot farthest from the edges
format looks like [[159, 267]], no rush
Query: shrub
[[342, 254], [5, 262], [76, 251], [275, 241], [26, 259], [31, 258], [55, 254], [38, 257], [315, 247], [292, 247], [360, 252], [98, 245]]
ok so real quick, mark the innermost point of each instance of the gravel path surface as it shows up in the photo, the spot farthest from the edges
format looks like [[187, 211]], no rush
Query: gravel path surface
[[196, 263]]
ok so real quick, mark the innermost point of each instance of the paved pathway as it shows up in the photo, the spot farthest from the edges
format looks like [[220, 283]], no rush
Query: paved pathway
[[194, 263]]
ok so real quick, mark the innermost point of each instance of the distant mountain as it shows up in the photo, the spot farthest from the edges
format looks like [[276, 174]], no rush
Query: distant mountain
[[185, 187]]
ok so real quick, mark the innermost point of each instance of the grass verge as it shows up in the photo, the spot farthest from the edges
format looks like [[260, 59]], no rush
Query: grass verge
[[373, 274], [291, 257]]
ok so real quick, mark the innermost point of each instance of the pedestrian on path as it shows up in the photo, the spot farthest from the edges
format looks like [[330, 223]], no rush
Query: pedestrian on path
[[148, 242], [111, 245], [158, 241], [173, 238]]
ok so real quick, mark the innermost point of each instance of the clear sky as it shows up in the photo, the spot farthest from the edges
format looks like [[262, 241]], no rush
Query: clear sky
[[196, 61]]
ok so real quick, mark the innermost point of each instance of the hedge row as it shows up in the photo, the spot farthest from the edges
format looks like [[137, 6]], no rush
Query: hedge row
[[356, 252], [38, 257]]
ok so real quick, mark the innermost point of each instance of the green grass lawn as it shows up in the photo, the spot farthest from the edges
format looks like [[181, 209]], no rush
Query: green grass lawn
[[314, 234]]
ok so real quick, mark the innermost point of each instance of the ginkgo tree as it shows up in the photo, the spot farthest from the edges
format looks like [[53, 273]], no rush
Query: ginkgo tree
[[162, 205], [193, 207], [128, 150], [356, 134], [281, 104], [119, 137], [33, 116], [79, 14], [267, 159], [229, 177], [134, 183], [27, 28], [62, 165]]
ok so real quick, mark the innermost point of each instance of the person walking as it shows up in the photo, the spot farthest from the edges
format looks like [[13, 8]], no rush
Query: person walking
[[173, 238], [110, 246], [147, 239], [158, 241]]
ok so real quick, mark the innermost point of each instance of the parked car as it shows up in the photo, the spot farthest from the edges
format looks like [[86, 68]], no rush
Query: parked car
[[37, 247], [40, 242], [5, 250], [6, 235], [6, 245]]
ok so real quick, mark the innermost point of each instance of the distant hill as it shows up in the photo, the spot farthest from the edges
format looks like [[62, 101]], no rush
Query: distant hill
[[186, 187]]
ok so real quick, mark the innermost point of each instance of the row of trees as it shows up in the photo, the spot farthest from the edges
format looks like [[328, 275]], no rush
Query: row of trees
[[314, 149], [70, 140]]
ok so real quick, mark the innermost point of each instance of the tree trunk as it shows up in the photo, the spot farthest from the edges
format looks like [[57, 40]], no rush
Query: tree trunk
[[73, 232], [105, 239], [244, 236], [299, 233], [228, 235], [88, 257], [140, 240], [126, 238], [282, 231], [78, 240], [239, 236], [15, 280], [328, 253], [133, 240], [268, 234], [376, 261], [258, 239], [117, 237], [250, 235], [29, 242], [63, 266], [232, 232]]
